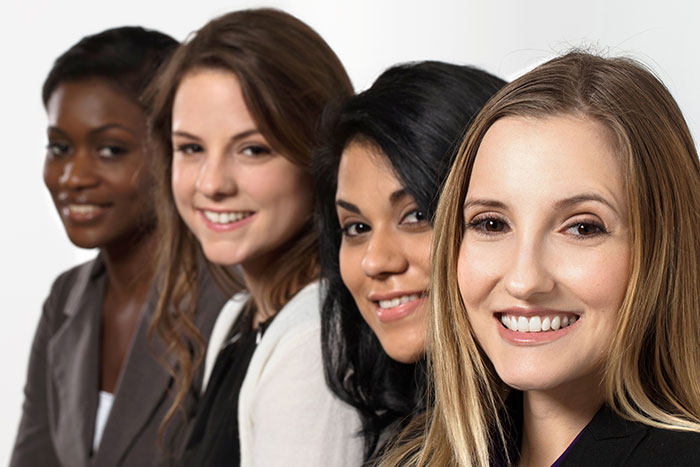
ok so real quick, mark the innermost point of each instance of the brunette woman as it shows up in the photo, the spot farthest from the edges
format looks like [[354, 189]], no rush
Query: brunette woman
[[386, 154], [566, 284], [95, 392], [235, 113]]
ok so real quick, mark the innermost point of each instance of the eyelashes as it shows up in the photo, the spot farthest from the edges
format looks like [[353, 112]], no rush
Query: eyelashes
[[491, 225]]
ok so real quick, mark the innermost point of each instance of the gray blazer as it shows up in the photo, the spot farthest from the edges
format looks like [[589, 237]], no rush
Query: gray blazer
[[61, 393]]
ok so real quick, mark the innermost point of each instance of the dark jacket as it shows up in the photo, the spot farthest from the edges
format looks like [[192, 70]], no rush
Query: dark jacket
[[61, 392], [609, 440]]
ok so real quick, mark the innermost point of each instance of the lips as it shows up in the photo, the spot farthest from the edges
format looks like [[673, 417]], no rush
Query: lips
[[225, 217], [225, 221], [82, 211], [546, 323], [535, 326], [394, 306]]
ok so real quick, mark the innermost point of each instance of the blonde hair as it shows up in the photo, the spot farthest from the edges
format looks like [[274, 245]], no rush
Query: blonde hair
[[287, 74], [652, 373]]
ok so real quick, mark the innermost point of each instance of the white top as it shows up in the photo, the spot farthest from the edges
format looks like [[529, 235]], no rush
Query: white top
[[104, 407], [287, 415]]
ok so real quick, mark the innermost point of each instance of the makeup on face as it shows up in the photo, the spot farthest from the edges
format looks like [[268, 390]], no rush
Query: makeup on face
[[384, 254], [543, 265], [96, 164], [241, 198]]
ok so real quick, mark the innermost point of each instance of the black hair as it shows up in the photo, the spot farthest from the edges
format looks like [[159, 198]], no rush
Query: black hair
[[416, 114], [126, 56]]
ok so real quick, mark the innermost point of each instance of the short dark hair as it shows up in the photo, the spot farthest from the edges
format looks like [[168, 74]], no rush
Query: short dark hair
[[416, 114], [126, 56]]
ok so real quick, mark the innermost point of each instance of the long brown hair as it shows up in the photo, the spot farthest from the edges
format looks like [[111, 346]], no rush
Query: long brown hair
[[287, 74], [652, 372]]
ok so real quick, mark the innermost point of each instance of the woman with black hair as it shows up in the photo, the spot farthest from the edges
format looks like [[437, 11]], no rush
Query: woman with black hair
[[96, 393], [378, 172]]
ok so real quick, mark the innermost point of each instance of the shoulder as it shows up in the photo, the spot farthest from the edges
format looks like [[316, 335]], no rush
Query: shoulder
[[294, 337], [300, 315], [71, 284], [664, 447], [77, 275], [612, 440]]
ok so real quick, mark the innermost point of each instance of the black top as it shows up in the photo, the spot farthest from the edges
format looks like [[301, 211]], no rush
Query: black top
[[214, 439], [610, 440]]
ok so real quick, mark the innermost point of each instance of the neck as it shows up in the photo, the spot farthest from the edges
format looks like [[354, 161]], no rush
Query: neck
[[552, 419], [130, 267]]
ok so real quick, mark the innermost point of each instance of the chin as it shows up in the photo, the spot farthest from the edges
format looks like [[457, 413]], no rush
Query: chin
[[405, 353], [222, 254]]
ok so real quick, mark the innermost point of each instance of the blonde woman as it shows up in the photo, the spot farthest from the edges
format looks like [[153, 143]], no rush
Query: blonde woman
[[566, 279]]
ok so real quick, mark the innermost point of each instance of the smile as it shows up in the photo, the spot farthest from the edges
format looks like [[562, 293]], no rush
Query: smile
[[82, 212], [225, 217], [546, 323], [396, 301]]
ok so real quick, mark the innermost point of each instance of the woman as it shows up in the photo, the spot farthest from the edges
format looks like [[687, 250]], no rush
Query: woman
[[235, 113], [95, 392], [386, 154], [566, 278]]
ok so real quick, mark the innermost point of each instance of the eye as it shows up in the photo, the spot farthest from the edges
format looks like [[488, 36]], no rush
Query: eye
[[355, 229], [415, 217], [489, 225], [110, 151], [57, 149], [586, 229], [255, 150], [189, 148]]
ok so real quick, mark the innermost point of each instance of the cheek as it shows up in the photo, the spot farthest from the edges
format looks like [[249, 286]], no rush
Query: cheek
[[479, 267], [418, 248], [182, 182], [599, 278], [350, 268]]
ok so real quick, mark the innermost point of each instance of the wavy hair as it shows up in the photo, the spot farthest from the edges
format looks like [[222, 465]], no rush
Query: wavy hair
[[287, 74], [652, 371], [416, 115]]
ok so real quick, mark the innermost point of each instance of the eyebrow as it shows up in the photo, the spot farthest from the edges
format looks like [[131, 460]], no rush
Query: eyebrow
[[234, 138], [582, 198], [100, 129], [561, 204], [394, 198]]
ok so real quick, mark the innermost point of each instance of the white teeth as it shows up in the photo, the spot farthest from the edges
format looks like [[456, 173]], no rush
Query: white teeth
[[83, 208], [513, 323], [396, 301], [523, 324], [537, 323], [225, 217], [556, 323], [546, 323]]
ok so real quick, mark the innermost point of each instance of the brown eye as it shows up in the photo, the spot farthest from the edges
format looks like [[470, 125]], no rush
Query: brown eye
[[585, 229], [489, 225], [493, 225]]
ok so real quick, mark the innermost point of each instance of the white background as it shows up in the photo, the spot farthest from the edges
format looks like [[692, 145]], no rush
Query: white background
[[504, 37]]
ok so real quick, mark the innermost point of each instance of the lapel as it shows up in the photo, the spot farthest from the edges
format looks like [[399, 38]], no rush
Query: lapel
[[141, 389], [607, 440], [73, 354], [142, 396]]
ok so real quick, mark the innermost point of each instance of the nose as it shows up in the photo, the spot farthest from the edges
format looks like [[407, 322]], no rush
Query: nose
[[383, 256], [79, 172], [216, 177], [529, 275]]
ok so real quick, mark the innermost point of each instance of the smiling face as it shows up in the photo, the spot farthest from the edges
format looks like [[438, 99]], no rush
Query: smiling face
[[543, 264], [384, 254], [96, 167], [240, 197]]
